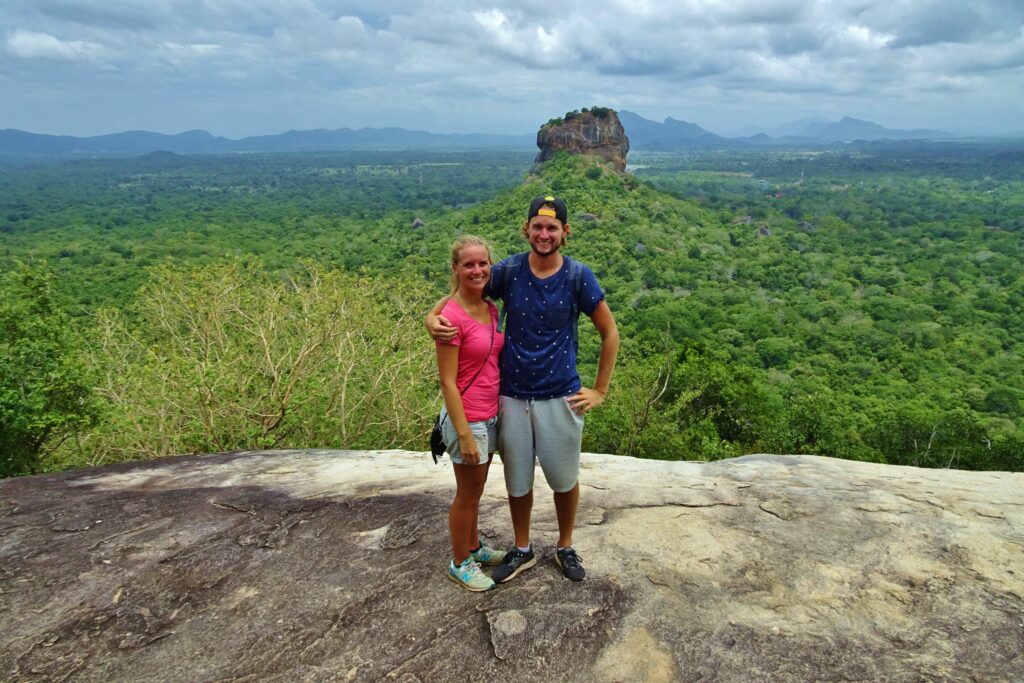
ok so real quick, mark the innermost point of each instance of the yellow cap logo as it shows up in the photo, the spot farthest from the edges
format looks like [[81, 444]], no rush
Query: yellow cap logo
[[545, 211]]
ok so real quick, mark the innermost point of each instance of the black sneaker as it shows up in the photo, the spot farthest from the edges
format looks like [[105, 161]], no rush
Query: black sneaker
[[571, 564], [515, 561]]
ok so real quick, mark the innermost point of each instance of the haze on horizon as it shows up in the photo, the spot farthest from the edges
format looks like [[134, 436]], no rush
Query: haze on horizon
[[234, 68]]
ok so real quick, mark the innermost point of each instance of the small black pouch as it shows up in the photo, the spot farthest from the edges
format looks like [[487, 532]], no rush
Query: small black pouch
[[437, 445]]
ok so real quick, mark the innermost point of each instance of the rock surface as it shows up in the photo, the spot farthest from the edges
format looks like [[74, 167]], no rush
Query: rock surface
[[586, 134], [328, 566]]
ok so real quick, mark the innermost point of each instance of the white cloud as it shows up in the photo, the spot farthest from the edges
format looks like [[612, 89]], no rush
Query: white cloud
[[35, 45], [193, 49], [864, 38]]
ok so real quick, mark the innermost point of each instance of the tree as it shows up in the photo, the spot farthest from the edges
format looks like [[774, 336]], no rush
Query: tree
[[910, 434], [44, 388], [641, 419]]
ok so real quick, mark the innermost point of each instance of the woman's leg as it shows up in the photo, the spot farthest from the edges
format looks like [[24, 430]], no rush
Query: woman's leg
[[465, 510], [475, 535]]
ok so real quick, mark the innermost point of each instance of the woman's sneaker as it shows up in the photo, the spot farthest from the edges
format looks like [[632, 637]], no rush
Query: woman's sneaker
[[571, 564], [469, 575], [515, 561], [488, 556]]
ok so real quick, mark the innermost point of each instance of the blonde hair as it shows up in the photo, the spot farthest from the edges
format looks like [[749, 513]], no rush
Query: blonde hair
[[458, 245]]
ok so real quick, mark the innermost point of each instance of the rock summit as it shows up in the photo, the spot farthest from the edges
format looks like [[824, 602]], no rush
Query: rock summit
[[591, 132]]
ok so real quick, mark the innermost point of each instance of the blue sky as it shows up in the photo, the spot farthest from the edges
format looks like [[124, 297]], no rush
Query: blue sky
[[246, 67]]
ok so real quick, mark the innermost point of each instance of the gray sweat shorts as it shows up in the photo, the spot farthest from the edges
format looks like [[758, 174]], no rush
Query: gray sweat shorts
[[545, 431]]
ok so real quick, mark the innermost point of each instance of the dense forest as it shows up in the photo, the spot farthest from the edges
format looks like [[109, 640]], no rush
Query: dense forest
[[862, 302]]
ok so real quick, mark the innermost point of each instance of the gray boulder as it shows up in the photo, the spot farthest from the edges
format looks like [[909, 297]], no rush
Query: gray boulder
[[329, 566]]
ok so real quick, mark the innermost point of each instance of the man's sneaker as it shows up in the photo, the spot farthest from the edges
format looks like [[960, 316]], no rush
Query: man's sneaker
[[469, 575], [571, 564], [488, 556], [515, 561]]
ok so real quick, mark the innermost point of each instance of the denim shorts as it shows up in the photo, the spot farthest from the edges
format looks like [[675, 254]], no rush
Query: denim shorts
[[545, 431], [484, 432]]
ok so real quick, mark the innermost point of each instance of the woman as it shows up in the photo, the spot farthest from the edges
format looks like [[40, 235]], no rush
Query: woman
[[468, 367]]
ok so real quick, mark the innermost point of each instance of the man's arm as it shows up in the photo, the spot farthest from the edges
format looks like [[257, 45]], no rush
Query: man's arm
[[438, 326], [587, 399]]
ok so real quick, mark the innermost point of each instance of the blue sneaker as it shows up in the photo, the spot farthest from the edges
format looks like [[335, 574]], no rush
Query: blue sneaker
[[468, 574], [488, 556], [515, 562]]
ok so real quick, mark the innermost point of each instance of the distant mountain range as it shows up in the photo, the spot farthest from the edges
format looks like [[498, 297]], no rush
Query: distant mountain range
[[849, 129], [21, 145], [644, 134], [648, 135]]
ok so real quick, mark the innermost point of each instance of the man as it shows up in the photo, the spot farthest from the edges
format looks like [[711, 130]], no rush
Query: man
[[542, 400]]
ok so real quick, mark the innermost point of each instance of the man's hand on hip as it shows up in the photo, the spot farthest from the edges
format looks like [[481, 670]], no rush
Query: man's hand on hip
[[585, 400]]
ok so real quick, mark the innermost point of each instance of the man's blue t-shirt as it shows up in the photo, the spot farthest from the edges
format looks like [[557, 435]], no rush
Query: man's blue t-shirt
[[539, 358]]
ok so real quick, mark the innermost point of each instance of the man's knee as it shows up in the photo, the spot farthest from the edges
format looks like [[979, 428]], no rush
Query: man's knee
[[571, 491]]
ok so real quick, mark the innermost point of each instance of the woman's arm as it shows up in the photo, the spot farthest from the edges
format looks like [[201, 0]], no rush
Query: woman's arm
[[448, 368]]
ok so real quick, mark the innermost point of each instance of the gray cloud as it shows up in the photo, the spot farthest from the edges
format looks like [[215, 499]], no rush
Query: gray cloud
[[251, 66], [121, 15], [932, 22]]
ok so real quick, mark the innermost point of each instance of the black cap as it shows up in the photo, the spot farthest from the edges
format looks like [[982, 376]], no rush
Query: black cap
[[555, 207]]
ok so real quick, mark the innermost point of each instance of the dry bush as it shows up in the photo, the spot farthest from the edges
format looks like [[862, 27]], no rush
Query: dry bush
[[225, 357]]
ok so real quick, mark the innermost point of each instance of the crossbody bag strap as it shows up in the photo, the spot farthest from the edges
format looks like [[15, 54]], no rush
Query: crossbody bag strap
[[486, 358]]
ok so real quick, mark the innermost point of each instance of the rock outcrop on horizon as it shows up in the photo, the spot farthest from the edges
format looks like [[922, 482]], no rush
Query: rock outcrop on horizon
[[671, 134], [596, 132], [328, 566]]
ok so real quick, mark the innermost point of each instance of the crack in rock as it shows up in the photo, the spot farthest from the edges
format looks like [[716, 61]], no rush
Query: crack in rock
[[780, 508]]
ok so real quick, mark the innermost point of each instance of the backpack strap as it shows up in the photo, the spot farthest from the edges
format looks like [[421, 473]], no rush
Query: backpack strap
[[512, 267], [513, 264], [576, 282]]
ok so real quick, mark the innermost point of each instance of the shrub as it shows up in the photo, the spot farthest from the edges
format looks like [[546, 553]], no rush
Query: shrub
[[227, 357], [44, 387]]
